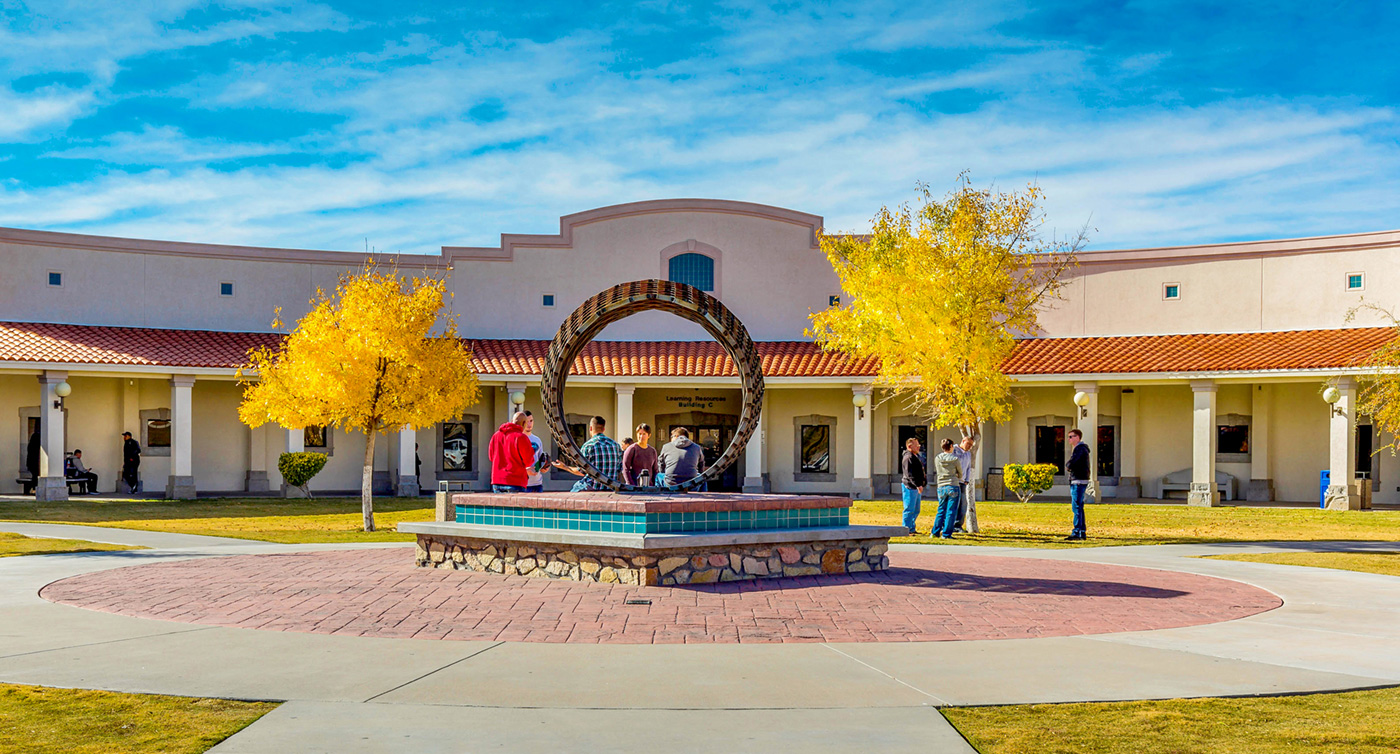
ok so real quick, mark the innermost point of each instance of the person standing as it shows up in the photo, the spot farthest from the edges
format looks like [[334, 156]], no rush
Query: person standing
[[963, 451], [535, 474], [949, 476], [639, 459], [131, 462], [1078, 469], [602, 452], [74, 469], [31, 457], [914, 477], [511, 455], [680, 459]]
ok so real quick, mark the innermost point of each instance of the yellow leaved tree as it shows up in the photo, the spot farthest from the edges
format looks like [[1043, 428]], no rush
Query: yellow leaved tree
[[365, 359], [939, 292]]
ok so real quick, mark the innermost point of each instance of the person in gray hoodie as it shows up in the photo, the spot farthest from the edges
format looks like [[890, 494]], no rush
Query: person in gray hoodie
[[680, 459]]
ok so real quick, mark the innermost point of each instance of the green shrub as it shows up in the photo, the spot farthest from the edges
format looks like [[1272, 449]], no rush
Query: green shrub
[[1028, 479], [298, 468]]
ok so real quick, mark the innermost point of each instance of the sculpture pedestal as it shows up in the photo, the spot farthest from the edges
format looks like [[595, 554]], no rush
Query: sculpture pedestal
[[694, 538]]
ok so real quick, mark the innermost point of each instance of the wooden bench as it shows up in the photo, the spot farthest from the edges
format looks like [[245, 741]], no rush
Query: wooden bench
[[26, 485], [1181, 480]]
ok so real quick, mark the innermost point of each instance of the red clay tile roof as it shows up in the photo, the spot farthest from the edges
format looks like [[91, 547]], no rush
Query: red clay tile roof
[[666, 359], [1299, 349], [1210, 352]]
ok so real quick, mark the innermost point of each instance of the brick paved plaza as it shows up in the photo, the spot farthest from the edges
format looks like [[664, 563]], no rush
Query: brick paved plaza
[[923, 597]]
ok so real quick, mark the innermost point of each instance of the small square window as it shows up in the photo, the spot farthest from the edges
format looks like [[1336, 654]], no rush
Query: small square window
[[56, 279], [1171, 291], [1356, 281], [225, 289], [548, 300], [833, 300]]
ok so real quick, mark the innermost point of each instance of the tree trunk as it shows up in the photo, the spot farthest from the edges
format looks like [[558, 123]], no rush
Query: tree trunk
[[975, 432], [367, 483]]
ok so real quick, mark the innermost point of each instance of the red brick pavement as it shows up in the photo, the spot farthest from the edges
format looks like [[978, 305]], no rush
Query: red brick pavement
[[923, 597]]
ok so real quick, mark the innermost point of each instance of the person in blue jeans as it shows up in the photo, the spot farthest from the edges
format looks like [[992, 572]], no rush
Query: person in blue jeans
[[1078, 469], [949, 476], [913, 476]]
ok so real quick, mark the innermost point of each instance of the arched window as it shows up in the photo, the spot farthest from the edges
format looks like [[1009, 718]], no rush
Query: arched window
[[693, 269]]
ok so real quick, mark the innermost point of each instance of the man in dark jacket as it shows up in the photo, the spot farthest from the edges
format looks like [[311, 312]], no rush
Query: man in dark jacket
[[131, 462], [914, 477], [31, 458], [1078, 469]]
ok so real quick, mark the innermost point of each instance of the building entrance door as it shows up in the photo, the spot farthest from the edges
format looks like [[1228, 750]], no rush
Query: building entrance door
[[713, 439]]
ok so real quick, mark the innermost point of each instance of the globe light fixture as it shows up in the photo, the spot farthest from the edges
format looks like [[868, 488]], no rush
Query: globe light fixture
[[1331, 395], [61, 390], [517, 397], [859, 400], [1081, 399]]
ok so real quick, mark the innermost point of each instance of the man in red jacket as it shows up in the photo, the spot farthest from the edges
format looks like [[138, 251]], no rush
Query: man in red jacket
[[511, 456]]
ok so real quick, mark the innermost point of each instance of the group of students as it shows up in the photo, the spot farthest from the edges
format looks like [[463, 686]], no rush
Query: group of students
[[953, 473], [518, 458], [953, 468]]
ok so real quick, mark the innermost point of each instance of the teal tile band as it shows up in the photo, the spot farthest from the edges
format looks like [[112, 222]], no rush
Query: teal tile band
[[652, 523]]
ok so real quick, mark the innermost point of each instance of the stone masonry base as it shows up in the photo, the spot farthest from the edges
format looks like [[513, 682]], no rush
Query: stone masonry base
[[668, 567]]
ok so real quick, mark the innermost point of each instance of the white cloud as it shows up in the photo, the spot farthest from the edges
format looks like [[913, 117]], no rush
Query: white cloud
[[24, 115]]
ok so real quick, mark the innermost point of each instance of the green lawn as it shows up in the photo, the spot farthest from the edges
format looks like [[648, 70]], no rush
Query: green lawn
[[1385, 563], [39, 720], [18, 544], [289, 521], [1046, 524], [1357, 722], [1010, 524]]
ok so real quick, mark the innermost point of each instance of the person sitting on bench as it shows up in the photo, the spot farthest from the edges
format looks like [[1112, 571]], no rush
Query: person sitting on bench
[[73, 468]]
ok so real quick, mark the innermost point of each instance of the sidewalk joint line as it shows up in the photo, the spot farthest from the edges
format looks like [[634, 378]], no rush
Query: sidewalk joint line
[[435, 670], [934, 697], [109, 641]]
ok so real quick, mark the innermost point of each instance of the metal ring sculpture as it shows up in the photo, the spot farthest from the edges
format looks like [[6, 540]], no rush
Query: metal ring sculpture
[[622, 301]]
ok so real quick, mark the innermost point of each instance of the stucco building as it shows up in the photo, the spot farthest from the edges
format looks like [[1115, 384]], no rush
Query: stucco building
[[1199, 363]]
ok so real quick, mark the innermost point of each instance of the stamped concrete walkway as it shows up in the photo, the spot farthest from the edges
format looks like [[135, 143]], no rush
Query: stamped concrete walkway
[[1335, 630]]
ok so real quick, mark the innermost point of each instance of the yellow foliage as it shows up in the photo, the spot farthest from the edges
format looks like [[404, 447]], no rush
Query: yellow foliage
[[1028, 479], [939, 292], [364, 359], [1379, 394]]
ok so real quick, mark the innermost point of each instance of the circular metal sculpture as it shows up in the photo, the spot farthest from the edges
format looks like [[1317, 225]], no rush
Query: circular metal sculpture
[[627, 299]]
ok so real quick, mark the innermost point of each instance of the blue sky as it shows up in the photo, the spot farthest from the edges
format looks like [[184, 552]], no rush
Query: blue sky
[[321, 125]]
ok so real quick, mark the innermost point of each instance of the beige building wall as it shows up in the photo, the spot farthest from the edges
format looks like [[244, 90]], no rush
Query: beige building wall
[[785, 405]]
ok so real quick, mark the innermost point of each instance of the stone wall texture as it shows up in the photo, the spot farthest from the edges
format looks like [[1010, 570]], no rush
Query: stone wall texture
[[667, 567]]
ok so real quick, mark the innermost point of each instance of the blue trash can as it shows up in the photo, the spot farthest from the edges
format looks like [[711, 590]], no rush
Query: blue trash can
[[1325, 482]]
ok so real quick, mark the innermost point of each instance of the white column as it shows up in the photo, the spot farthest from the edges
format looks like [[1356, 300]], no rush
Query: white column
[[1341, 495], [50, 484], [181, 483], [1129, 483], [1203, 489], [862, 485], [753, 455], [407, 483], [622, 414], [1261, 478], [1088, 426], [256, 480]]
